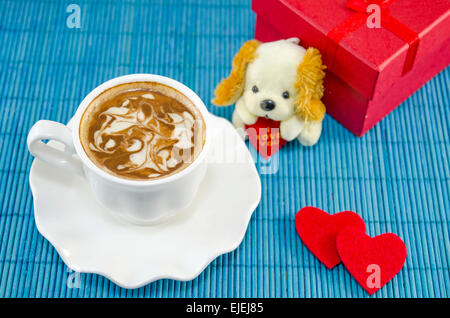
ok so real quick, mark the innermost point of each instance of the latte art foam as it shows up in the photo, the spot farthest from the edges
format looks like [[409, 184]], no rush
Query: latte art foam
[[143, 132]]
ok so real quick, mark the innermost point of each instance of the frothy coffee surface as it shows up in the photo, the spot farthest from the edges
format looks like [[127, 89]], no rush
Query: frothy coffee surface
[[142, 130]]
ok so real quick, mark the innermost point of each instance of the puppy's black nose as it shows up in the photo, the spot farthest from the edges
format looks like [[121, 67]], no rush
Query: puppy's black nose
[[267, 104]]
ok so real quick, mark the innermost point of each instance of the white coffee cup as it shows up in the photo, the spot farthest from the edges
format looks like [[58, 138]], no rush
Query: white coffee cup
[[139, 202]]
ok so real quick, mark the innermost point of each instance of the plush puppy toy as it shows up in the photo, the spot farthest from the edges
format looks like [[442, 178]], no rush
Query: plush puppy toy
[[278, 80]]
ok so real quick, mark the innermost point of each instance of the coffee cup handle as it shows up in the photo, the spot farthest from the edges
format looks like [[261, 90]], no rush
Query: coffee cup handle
[[46, 129]]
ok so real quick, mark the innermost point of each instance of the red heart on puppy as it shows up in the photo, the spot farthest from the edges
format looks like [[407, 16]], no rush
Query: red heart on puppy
[[265, 136], [372, 261], [318, 230]]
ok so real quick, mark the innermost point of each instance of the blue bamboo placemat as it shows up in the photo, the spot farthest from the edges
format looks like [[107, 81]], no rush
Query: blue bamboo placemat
[[396, 177]]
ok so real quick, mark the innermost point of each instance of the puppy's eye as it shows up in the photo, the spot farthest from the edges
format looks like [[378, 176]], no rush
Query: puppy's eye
[[285, 95], [255, 89]]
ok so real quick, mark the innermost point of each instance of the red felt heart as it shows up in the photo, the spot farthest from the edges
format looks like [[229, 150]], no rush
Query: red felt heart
[[318, 230], [373, 262], [265, 136]]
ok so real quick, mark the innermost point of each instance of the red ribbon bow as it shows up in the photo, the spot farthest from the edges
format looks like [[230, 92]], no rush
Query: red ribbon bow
[[360, 17], [361, 5]]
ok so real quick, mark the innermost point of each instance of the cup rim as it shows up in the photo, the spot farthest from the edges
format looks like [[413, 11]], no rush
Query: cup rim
[[140, 77]]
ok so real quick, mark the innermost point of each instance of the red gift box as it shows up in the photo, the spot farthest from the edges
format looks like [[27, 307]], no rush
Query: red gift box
[[370, 70]]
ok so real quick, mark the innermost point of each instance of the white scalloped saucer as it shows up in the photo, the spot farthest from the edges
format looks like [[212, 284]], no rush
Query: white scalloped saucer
[[90, 239]]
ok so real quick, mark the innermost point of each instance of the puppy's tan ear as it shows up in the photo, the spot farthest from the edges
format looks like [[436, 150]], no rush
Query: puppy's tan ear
[[230, 89], [309, 86]]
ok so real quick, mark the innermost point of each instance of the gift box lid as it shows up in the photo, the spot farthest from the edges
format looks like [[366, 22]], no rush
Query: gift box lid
[[368, 59]]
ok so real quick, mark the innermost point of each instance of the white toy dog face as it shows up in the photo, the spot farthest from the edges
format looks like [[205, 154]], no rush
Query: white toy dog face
[[279, 80], [269, 81]]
